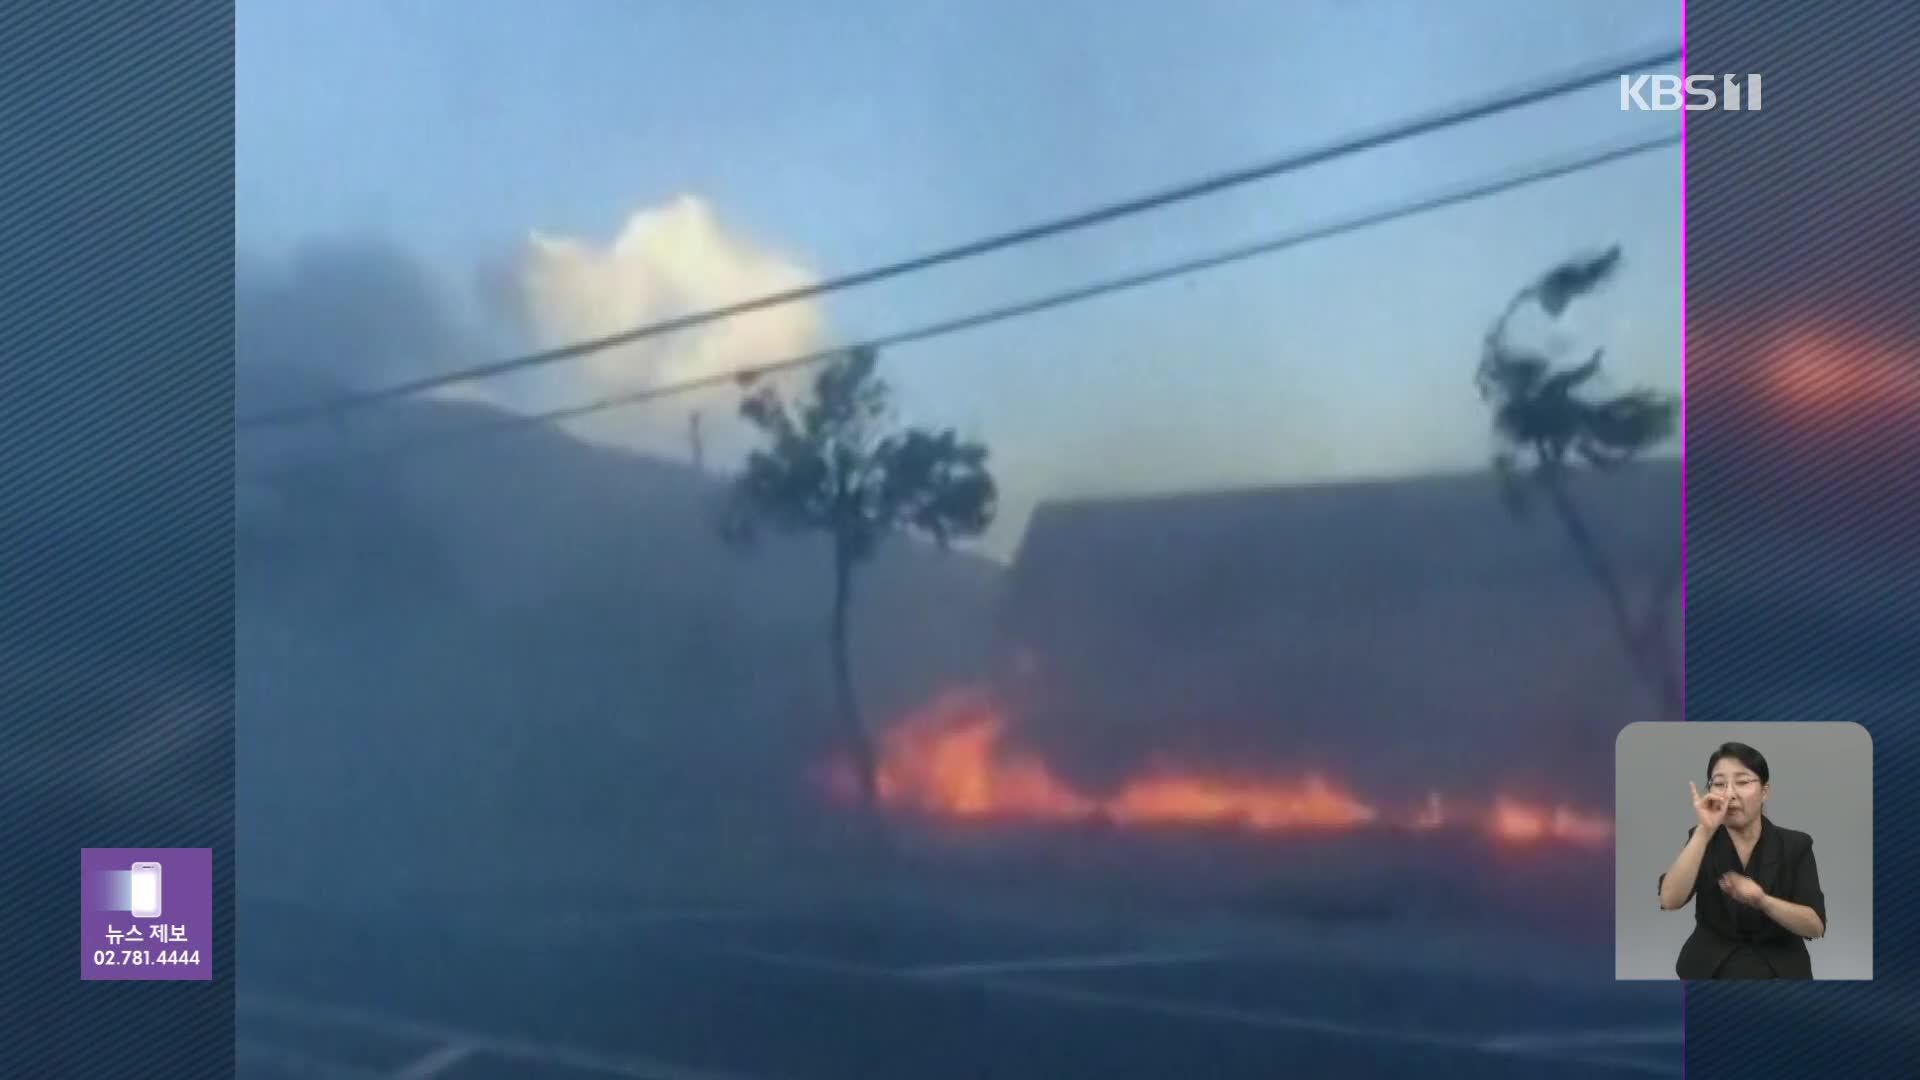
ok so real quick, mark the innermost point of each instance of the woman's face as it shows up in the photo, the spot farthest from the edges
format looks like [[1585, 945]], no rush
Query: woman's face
[[1737, 784]]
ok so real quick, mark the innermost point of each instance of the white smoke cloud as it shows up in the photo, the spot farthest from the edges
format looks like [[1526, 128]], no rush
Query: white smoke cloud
[[666, 261]]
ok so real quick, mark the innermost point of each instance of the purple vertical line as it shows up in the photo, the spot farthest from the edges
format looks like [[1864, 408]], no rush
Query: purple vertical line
[[1683, 445]]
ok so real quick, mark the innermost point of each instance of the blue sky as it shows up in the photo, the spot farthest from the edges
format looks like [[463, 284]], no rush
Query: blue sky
[[843, 134]]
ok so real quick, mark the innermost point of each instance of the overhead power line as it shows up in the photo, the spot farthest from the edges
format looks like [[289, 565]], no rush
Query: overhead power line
[[1460, 114], [748, 375]]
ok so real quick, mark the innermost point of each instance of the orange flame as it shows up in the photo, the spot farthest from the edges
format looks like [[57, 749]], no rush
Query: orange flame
[[1311, 802], [1518, 822], [945, 761], [948, 759]]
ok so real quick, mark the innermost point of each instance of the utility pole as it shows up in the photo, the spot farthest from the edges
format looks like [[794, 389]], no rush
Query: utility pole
[[693, 437]]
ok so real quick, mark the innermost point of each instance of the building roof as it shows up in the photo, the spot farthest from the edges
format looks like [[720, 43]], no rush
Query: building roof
[[1410, 629]]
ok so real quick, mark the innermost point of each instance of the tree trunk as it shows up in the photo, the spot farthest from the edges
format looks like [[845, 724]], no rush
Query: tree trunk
[[1655, 668], [1655, 642], [853, 731]]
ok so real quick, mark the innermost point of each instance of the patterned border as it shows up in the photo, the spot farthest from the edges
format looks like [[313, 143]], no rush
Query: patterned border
[[1801, 465], [116, 625]]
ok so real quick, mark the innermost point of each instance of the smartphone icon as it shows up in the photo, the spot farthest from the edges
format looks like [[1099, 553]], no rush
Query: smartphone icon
[[146, 890]]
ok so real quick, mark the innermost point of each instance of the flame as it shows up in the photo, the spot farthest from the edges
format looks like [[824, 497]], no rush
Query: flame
[[946, 760], [949, 759], [1521, 823], [1311, 802]]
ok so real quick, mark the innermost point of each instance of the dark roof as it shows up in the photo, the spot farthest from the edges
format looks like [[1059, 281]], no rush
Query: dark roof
[[1393, 627], [1311, 538]]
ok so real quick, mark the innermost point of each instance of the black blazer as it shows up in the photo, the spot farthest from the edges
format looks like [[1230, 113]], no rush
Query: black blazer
[[1782, 864]]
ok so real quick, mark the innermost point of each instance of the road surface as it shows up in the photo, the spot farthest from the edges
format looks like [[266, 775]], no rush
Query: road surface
[[824, 995]]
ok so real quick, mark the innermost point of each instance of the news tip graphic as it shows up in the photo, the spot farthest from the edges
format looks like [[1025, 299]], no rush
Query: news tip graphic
[[146, 914]]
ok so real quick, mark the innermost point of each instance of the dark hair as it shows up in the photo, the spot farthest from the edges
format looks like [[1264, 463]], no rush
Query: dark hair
[[1754, 760]]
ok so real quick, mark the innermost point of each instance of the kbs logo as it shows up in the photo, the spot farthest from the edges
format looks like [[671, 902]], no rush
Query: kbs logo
[[1670, 93]]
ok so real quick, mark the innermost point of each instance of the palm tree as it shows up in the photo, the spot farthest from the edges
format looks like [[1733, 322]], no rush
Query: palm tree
[[1544, 422], [839, 465]]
